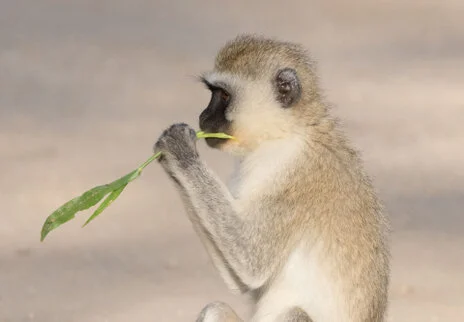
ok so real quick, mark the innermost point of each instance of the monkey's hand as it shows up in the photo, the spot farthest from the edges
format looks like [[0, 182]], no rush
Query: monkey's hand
[[178, 148]]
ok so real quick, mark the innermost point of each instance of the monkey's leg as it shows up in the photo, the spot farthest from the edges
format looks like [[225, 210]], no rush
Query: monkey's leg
[[295, 314], [218, 312]]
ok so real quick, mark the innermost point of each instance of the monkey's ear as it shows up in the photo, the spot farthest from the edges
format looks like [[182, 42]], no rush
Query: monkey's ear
[[287, 87]]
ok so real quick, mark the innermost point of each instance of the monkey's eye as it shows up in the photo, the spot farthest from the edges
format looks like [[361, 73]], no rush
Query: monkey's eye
[[224, 95], [218, 92]]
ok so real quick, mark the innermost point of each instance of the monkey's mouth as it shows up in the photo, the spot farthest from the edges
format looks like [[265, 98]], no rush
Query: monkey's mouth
[[215, 142]]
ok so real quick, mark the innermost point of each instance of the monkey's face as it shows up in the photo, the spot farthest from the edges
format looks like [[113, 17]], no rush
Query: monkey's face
[[253, 110], [213, 118]]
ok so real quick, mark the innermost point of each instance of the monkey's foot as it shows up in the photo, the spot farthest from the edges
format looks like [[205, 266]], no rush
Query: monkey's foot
[[218, 312]]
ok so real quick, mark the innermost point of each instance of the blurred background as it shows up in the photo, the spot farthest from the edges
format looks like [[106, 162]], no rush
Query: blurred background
[[87, 86]]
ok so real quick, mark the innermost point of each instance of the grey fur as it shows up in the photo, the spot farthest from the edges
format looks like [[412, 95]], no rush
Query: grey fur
[[218, 312], [295, 314], [252, 252]]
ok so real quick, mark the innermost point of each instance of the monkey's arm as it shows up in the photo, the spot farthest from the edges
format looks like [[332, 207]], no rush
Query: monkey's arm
[[230, 277], [246, 244]]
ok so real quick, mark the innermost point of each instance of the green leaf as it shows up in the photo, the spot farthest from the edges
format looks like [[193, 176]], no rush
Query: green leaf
[[150, 160], [203, 135], [91, 197], [67, 211], [111, 197], [116, 184], [88, 199]]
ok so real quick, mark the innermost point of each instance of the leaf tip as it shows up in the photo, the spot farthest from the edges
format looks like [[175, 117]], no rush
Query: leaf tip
[[43, 234], [87, 221]]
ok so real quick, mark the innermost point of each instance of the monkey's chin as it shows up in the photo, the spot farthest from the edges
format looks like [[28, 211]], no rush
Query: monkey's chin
[[231, 147], [227, 146], [215, 143]]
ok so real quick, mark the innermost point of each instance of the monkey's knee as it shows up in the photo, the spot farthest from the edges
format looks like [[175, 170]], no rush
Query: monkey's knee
[[295, 314], [218, 312]]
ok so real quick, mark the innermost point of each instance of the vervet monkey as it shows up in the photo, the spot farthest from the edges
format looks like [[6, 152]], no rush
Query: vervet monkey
[[299, 229]]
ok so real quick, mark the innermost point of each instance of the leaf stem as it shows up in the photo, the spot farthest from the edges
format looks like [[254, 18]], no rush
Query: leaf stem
[[150, 160], [200, 135]]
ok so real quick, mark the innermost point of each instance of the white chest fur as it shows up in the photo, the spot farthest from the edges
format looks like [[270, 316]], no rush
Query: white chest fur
[[304, 282], [264, 167]]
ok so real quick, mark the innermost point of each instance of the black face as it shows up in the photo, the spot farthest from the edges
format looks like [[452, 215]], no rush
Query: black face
[[287, 87], [213, 118]]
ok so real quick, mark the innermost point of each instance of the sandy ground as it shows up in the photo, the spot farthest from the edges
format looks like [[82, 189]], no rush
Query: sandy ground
[[87, 86]]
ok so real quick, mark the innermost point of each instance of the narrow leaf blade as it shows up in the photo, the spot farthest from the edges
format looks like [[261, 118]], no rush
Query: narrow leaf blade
[[123, 181], [203, 135], [108, 200], [67, 211], [88, 199]]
